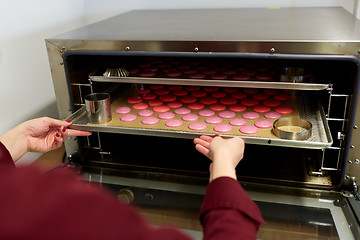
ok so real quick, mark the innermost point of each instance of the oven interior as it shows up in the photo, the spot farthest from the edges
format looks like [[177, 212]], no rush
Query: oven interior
[[163, 156]]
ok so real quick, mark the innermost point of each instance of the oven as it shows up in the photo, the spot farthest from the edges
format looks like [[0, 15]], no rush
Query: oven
[[299, 64]]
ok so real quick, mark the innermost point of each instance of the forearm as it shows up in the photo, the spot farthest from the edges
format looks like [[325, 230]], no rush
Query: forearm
[[228, 212], [15, 142]]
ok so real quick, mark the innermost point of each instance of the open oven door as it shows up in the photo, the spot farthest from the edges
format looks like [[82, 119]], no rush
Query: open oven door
[[290, 213]]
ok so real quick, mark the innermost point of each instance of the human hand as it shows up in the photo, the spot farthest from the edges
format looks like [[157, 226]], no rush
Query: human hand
[[38, 135], [224, 153]]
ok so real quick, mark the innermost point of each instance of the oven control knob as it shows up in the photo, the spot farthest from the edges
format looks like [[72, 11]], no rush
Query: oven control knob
[[125, 195]]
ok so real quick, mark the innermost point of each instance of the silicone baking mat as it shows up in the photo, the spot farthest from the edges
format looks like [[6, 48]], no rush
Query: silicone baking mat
[[122, 101]]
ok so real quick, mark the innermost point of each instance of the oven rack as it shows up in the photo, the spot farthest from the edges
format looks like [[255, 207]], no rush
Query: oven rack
[[320, 139], [216, 83]]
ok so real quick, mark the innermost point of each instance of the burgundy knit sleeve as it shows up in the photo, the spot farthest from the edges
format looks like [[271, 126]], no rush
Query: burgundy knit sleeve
[[228, 212], [6, 160]]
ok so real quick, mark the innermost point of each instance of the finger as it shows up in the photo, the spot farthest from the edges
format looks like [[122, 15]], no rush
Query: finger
[[76, 133], [206, 138], [202, 142], [57, 123], [202, 149]]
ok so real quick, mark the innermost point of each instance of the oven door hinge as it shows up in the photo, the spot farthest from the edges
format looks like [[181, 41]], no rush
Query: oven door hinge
[[351, 188]]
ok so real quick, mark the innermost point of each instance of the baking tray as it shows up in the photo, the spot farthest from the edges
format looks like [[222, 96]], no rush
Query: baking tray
[[320, 138], [211, 82]]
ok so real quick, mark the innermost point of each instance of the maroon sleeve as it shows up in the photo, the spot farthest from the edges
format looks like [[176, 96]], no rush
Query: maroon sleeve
[[58, 205], [6, 160], [228, 212]]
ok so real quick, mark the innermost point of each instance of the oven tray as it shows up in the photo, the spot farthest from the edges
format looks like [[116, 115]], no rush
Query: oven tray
[[210, 82], [320, 138]]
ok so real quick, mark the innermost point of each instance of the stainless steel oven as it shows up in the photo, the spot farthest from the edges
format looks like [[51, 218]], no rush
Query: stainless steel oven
[[305, 187]]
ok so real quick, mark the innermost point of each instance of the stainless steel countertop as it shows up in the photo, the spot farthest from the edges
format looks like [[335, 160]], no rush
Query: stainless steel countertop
[[286, 24]]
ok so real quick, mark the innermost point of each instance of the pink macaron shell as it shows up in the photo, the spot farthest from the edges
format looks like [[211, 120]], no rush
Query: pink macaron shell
[[251, 90], [161, 92], [133, 100], [175, 104], [237, 122], [284, 110], [197, 76], [147, 74], [239, 95], [260, 96], [251, 115], [143, 91], [134, 71], [161, 108], [270, 91], [272, 115], [282, 97], [206, 113], [122, 110], [144, 65], [166, 115], [272, 103], [180, 93], [140, 106], [182, 111], [155, 102], [219, 76], [248, 129], [218, 94], [264, 76], [196, 106], [261, 109], [217, 107], [145, 113], [198, 94], [189, 117], [228, 100], [174, 123], [263, 124], [168, 98], [150, 120], [237, 108], [190, 71], [197, 126], [208, 100], [249, 102], [156, 86], [241, 77], [222, 128], [151, 69], [174, 74], [213, 120], [227, 114], [250, 73], [128, 117], [188, 99], [148, 96]]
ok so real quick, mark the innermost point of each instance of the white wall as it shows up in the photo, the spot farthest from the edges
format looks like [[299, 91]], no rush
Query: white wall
[[26, 89], [96, 10]]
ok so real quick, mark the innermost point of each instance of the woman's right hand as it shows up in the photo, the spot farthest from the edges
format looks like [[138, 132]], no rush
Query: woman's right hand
[[225, 154]]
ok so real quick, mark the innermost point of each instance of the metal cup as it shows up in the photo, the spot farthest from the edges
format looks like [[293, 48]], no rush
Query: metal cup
[[98, 108]]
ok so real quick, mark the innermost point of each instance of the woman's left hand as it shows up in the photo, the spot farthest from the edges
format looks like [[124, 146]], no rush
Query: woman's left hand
[[38, 135]]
